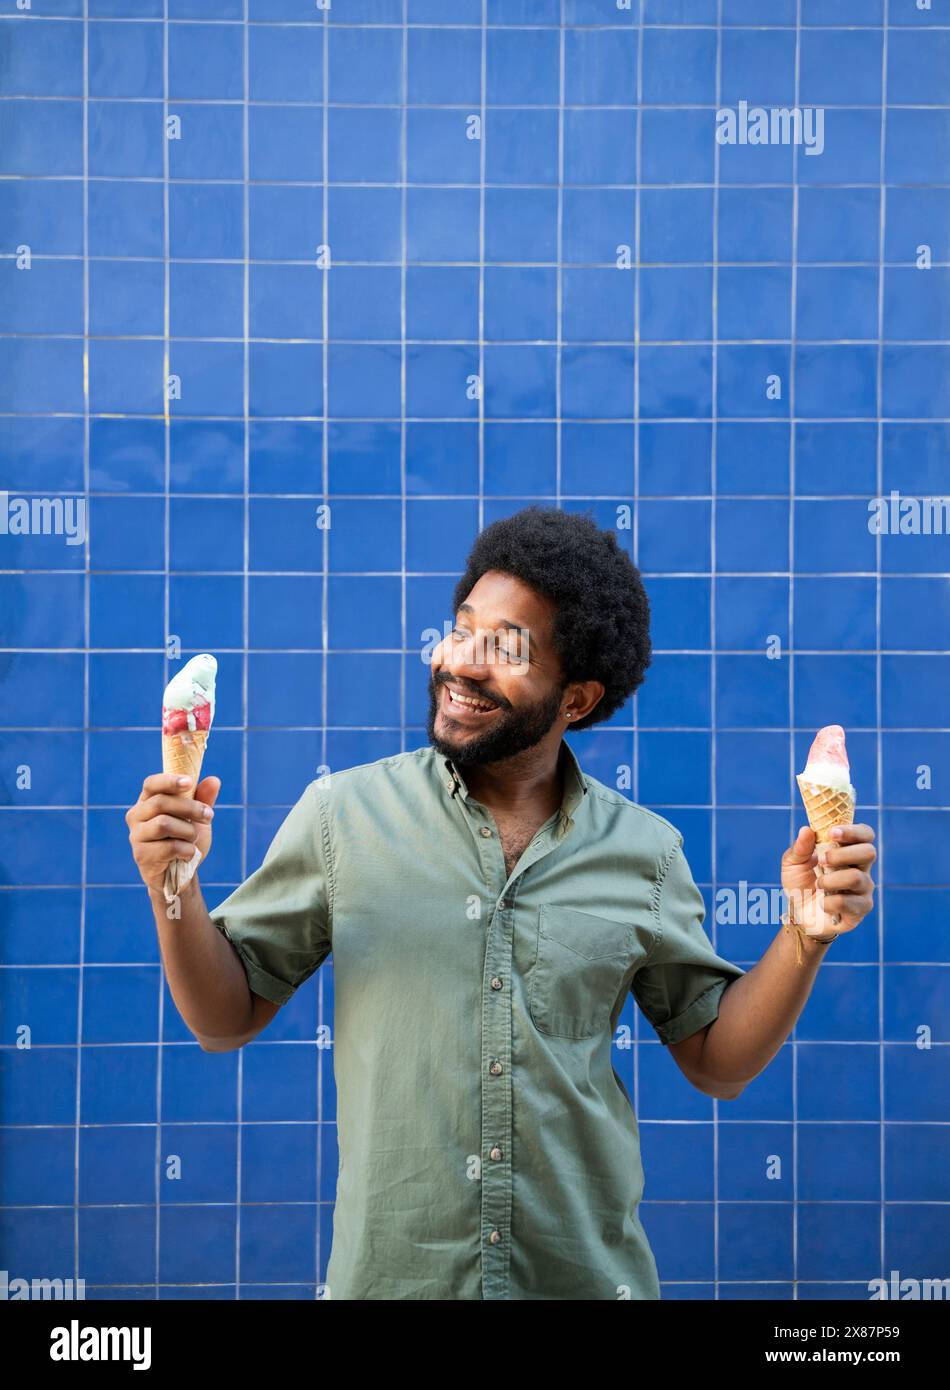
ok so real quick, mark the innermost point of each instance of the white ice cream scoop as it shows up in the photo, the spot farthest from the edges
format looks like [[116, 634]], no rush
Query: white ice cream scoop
[[188, 690], [828, 764]]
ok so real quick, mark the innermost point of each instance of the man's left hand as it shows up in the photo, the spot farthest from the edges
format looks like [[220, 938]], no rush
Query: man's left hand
[[833, 890]]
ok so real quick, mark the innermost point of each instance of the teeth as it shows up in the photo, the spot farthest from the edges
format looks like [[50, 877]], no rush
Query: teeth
[[465, 700]]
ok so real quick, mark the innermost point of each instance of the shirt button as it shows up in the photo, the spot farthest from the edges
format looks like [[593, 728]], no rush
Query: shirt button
[[495, 1237], [495, 1153], [485, 830], [496, 983], [496, 1069]]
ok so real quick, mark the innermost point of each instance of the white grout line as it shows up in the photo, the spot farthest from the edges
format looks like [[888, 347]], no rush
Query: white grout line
[[77, 1272], [67, 257], [829, 343], [403, 366], [713, 597], [299, 23], [635, 712], [792, 444], [879, 896], [651, 420], [307, 1042], [245, 594], [166, 586], [559, 272], [651, 497], [482, 184], [750, 575], [322, 983]]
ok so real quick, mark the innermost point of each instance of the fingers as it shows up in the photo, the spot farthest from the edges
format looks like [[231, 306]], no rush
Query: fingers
[[164, 804], [844, 855], [848, 880], [164, 782], [164, 823], [164, 828], [843, 873], [154, 854], [852, 834], [850, 905], [803, 848], [207, 790]]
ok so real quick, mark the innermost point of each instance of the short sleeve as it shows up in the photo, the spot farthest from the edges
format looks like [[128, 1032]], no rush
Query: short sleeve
[[680, 982], [279, 919]]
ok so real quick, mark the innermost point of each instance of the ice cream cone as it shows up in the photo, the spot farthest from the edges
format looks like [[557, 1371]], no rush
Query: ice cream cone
[[183, 752], [187, 714], [826, 807]]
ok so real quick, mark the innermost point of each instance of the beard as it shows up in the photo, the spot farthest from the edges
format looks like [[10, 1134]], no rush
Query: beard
[[511, 730]]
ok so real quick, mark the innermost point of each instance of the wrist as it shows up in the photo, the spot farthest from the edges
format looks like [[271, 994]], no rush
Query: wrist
[[159, 898], [790, 924], [819, 942]]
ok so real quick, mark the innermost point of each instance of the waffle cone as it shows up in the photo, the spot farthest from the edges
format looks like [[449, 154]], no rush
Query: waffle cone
[[826, 807], [182, 753]]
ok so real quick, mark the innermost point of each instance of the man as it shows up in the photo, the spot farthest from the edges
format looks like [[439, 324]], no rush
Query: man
[[489, 906]]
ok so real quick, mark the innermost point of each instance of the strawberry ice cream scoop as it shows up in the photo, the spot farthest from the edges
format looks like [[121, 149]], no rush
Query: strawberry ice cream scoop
[[828, 764], [188, 702]]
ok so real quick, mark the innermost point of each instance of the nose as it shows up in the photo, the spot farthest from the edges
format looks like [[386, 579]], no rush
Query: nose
[[465, 657]]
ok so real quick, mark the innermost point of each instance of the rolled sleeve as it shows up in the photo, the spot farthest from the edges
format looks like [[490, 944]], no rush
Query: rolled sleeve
[[279, 920], [681, 981]]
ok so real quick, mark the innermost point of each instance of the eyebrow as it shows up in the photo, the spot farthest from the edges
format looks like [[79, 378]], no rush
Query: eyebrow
[[502, 622]]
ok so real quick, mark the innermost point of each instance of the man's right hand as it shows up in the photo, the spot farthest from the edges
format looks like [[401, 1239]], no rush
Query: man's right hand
[[167, 822]]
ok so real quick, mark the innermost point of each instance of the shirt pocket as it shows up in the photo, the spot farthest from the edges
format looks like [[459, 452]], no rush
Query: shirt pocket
[[578, 971]]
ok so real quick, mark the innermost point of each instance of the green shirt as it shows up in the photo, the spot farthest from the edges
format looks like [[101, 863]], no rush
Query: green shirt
[[488, 1149]]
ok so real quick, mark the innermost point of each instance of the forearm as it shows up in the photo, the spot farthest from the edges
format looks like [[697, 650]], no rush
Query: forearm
[[205, 976], [758, 1011]]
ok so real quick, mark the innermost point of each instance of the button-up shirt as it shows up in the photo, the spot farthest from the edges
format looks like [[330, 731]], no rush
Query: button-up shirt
[[487, 1147]]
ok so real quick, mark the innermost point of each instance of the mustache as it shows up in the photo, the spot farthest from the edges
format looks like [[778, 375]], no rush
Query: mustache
[[475, 694]]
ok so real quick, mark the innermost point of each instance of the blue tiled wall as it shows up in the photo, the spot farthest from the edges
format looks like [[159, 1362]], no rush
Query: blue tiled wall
[[128, 259]]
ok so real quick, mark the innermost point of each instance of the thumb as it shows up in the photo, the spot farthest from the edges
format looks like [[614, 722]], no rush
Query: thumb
[[801, 851], [207, 790]]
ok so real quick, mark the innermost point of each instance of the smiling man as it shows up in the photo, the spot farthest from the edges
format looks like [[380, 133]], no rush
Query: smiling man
[[489, 907]]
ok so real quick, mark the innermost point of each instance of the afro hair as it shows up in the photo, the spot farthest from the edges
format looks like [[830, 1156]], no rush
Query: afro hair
[[602, 617]]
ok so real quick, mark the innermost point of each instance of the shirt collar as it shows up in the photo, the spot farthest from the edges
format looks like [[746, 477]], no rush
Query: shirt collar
[[575, 785]]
